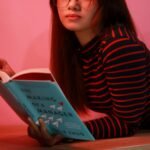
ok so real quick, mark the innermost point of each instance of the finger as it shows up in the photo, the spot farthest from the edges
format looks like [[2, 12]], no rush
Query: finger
[[34, 127], [46, 138], [31, 132], [44, 131], [2, 61], [8, 69], [5, 67], [56, 139], [53, 141]]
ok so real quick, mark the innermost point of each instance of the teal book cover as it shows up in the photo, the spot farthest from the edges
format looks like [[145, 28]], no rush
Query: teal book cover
[[45, 99]]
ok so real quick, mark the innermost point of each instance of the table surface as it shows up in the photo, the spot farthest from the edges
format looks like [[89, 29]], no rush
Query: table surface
[[15, 138]]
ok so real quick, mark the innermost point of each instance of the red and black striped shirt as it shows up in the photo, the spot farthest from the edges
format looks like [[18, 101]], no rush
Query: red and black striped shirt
[[116, 74]]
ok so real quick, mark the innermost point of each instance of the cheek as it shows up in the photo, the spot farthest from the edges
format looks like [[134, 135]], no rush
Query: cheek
[[88, 18], [61, 14], [62, 18]]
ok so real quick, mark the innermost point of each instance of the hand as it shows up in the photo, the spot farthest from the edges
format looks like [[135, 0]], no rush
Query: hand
[[6, 68], [41, 134]]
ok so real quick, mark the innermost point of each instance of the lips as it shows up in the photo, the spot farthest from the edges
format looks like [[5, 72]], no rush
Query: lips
[[73, 16]]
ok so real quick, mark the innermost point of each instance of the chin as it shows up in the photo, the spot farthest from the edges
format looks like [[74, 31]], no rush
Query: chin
[[75, 29], [72, 26]]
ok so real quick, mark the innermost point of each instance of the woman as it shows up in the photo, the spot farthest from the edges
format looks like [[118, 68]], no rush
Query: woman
[[99, 63]]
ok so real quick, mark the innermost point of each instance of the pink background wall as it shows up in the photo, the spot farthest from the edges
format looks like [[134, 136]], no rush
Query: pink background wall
[[24, 37]]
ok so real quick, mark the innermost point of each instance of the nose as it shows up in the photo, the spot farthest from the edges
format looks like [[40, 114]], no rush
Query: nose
[[74, 4], [73, 1]]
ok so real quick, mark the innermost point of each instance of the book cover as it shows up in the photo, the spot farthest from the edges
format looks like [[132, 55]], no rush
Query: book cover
[[37, 94]]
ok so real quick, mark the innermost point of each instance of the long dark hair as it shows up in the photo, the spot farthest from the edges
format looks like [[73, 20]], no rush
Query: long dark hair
[[64, 63]]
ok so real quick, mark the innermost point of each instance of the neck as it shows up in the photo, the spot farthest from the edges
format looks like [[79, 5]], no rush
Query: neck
[[85, 36]]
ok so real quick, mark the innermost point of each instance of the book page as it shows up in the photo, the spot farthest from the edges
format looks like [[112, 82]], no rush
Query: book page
[[29, 74], [34, 74]]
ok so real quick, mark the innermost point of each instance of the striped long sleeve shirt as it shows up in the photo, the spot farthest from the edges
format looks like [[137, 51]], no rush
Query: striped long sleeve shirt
[[116, 74]]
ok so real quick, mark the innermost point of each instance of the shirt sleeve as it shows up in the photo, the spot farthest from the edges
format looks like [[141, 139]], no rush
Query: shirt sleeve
[[125, 70]]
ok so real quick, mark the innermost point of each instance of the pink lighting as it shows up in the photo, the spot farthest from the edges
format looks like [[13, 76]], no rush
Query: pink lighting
[[24, 37]]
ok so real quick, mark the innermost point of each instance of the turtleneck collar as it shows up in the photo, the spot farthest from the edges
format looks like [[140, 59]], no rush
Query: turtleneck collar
[[90, 47]]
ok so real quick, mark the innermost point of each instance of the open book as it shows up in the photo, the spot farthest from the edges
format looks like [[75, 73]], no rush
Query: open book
[[35, 93]]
